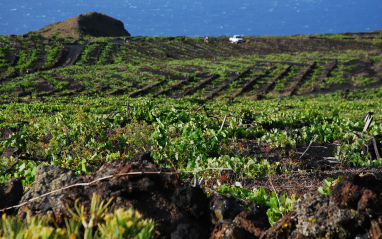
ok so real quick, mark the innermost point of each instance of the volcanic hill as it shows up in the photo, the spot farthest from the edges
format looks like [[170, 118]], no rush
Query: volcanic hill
[[89, 24]]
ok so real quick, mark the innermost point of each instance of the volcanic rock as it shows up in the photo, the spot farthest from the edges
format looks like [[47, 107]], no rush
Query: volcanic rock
[[318, 216], [282, 228], [230, 231], [48, 178], [352, 210], [136, 185], [246, 224], [359, 193], [179, 210], [254, 221], [191, 199], [223, 209], [11, 192], [188, 231]]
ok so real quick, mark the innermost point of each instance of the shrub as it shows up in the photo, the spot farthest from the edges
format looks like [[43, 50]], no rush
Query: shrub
[[120, 224]]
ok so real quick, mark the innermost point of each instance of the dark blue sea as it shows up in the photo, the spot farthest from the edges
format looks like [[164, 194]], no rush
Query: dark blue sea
[[202, 17]]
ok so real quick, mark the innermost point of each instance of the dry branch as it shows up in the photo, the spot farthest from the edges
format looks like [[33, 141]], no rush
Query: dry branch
[[310, 144]]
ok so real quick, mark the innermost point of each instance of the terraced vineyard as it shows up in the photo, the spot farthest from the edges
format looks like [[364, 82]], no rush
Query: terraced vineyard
[[261, 68]]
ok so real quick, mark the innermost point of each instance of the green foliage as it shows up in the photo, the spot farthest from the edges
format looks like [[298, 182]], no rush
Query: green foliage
[[244, 166], [126, 224], [278, 205], [105, 54], [258, 195], [144, 52], [84, 223], [32, 227], [89, 220], [3, 61], [26, 58], [84, 131], [97, 223], [87, 54], [186, 141], [352, 153], [26, 170], [328, 182], [52, 54]]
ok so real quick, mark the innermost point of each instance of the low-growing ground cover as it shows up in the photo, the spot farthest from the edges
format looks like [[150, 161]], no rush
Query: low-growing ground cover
[[190, 106], [82, 132]]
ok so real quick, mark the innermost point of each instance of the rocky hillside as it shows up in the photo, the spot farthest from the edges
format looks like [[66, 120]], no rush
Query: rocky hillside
[[89, 24]]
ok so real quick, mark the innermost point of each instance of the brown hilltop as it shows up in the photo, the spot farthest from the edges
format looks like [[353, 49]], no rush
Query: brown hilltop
[[88, 24]]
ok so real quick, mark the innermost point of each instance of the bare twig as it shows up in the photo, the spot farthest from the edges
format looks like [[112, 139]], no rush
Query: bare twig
[[221, 127], [363, 135], [310, 144], [200, 108]]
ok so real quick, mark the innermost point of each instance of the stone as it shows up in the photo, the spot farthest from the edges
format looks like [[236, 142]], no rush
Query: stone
[[358, 193], [187, 231], [230, 231], [282, 228], [48, 178], [254, 221], [223, 208], [11, 192], [191, 199]]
